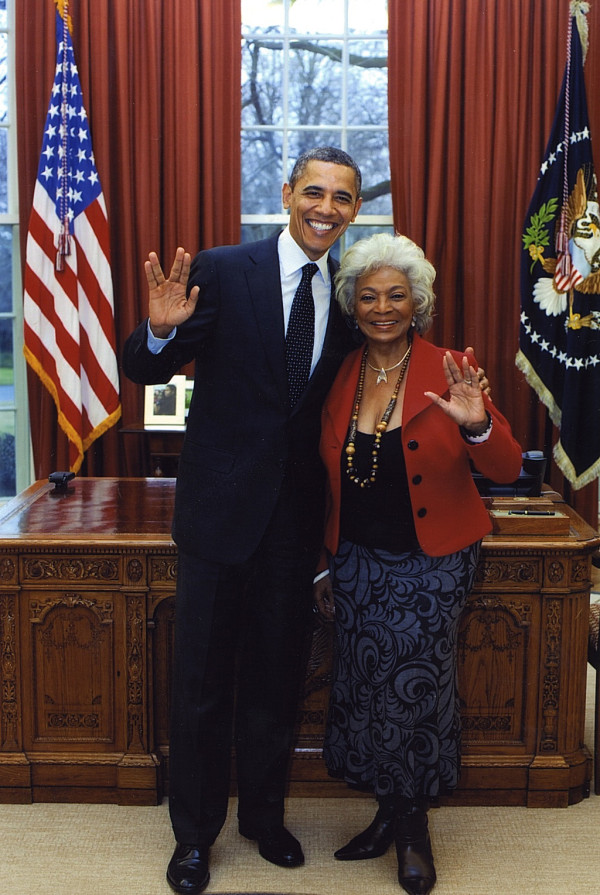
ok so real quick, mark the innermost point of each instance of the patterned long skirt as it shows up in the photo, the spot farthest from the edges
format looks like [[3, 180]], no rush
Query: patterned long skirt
[[394, 723]]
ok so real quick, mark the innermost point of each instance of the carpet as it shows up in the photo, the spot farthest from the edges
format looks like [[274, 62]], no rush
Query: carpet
[[112, 850]]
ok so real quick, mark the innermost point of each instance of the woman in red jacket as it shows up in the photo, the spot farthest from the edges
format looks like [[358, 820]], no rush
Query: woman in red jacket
[[400, 428]]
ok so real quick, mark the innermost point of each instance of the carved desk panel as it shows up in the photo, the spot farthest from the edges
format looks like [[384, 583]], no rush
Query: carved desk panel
[[87, 582]]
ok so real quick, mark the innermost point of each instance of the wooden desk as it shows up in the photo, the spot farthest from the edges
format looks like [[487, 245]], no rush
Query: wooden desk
[[86, 631]]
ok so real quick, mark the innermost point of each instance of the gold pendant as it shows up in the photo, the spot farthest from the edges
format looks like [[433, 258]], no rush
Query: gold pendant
[[382, 376]]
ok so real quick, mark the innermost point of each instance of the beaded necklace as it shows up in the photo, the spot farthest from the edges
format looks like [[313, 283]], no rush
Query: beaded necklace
[[380, 428]]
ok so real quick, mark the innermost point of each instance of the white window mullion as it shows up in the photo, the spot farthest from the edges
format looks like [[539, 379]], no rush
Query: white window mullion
[[345, 61], [285, 89]]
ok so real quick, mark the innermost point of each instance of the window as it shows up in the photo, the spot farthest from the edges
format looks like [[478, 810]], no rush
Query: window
[[314, 72], [14, 423]]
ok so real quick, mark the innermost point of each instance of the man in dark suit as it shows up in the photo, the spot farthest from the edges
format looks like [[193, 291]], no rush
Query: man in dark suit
[[249, 502]]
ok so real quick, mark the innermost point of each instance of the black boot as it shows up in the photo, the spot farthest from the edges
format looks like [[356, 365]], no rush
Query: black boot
[[416, 873], [375, 840]]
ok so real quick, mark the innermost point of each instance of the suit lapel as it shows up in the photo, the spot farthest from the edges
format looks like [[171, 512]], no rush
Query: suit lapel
[[264, 287], [425, 372], [329, 340], [340, 400]]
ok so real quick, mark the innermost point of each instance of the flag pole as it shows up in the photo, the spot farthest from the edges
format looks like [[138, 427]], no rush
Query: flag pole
[[68, 305]]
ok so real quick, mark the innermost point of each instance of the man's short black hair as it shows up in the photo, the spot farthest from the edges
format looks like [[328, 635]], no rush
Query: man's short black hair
[[330, 154]]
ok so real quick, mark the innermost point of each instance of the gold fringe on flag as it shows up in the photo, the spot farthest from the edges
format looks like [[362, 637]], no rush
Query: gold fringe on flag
[[580, 9]]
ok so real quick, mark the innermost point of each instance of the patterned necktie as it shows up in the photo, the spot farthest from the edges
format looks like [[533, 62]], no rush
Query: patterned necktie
[[300, 335]]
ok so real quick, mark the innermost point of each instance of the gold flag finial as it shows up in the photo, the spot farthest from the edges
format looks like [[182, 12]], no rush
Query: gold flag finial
[[63, 8]]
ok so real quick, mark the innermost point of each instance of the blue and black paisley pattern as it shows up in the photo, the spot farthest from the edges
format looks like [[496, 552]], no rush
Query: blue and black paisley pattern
[[394, 724]]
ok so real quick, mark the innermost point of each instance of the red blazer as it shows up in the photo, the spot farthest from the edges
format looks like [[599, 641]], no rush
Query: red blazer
[[447, 509]]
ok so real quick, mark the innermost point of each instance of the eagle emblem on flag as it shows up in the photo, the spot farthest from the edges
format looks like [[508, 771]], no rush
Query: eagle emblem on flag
[[576, 269]]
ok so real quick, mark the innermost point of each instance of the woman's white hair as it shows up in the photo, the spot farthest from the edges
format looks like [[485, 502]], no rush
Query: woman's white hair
[[385, 250]]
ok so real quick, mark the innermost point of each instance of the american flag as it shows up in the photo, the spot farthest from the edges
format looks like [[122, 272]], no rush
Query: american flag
[[559, 340], [68, 304]]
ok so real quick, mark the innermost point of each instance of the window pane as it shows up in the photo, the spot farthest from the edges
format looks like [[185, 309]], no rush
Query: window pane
[[15, 469], [3, 77], [370, 149], [317, 16], [268, 13], [7, 379], [253, 232], [356, 232], [6, 243], [3, 170], [315, 83], [8, 478], [375, 20], [262, 78], [300, 141], [367, 84], [261, 172]]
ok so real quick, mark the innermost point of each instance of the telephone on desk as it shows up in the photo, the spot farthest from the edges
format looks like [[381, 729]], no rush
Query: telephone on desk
[[529, 483]]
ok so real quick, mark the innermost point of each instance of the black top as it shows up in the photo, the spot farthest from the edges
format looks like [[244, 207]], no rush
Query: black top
[[379, 515]]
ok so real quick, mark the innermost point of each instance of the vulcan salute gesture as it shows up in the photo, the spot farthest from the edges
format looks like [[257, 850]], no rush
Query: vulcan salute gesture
[[465, 405], [169, 306]]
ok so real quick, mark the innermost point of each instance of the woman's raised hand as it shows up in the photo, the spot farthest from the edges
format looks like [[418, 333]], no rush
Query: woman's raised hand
[[465, 405]]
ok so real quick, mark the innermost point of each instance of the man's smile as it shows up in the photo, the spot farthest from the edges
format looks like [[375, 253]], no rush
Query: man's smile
[[321, 226]]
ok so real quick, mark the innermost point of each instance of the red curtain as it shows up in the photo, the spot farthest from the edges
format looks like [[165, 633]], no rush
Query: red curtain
[[473, 89], [161, 85]]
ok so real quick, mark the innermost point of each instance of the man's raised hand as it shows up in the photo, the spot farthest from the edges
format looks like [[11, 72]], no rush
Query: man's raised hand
[[168, 304]]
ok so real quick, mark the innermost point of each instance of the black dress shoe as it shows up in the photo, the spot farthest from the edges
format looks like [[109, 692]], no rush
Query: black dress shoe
[[372, 842], [187, 872], [278, 846], [416, 871]]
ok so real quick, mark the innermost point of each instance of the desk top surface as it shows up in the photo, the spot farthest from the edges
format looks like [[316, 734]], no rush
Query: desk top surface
[[91, 508], [114, 509]]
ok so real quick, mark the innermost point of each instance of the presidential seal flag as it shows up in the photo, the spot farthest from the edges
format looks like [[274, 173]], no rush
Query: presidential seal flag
[[69, 330], [559, 340]]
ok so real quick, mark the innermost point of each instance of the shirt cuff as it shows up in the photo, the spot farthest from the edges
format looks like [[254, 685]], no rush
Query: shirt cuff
[[478, 439], [156, 345]]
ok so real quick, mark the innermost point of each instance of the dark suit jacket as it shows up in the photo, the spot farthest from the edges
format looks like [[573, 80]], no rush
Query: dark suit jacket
[[241, 438]]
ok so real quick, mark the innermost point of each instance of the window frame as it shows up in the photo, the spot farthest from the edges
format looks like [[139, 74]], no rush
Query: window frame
[[20, 407], [379, 221]]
